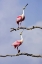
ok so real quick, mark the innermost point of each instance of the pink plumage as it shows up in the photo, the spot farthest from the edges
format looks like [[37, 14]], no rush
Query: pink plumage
[[17, 43], [21, 17]]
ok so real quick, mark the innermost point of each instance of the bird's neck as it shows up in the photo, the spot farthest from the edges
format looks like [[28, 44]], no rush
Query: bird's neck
[[21, 38], [23, 11]]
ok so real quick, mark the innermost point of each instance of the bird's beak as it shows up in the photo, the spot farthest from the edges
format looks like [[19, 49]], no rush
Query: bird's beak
[[25, 6], [21, 32]]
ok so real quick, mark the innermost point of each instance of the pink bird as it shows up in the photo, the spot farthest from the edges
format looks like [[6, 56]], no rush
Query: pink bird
[[21, 18], [17, 43]]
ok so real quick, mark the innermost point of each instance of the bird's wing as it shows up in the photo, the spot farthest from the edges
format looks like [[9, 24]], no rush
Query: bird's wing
[[19, 16]]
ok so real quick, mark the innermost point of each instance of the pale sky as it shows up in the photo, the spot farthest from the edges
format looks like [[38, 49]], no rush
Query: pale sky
[[9, 10]]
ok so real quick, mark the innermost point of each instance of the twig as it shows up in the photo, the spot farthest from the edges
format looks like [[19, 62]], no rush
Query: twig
[[33, 27], [27, 54]]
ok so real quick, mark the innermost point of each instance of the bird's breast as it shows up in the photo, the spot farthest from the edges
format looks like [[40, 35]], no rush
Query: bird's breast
[[23, 17], [21, 41]]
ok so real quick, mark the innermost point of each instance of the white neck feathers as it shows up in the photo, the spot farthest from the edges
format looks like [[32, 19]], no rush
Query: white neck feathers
[[21, 37], [23, 11]]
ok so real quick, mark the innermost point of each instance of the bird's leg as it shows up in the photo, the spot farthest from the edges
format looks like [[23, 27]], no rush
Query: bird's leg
[[18, 50], [18, 25]]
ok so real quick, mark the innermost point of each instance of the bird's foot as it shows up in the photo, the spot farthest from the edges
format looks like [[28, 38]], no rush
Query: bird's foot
[[18, 51]]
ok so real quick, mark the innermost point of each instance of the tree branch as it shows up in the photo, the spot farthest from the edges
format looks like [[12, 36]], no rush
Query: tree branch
[[33, 27], [27, 54]]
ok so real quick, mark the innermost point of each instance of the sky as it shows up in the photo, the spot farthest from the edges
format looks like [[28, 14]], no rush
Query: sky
[[9, 10]]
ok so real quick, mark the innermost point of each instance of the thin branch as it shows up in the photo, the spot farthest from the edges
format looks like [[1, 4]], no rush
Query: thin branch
[[27, 54], [33, 27]]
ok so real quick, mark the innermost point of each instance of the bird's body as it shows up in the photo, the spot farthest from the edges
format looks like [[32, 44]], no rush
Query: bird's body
[[21, 17], [17, 43]]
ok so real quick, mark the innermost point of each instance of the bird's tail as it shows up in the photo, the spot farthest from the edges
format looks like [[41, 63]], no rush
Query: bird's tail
[[13, 45]]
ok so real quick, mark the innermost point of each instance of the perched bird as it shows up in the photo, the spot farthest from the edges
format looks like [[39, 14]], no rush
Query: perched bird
[[17, 43], [21, 17]]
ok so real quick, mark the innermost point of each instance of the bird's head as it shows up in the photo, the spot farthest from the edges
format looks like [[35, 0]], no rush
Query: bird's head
[[21, 33], [23, 8]]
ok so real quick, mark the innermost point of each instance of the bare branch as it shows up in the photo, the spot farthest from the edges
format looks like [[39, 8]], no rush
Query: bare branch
[[33, 27], [27, 54]]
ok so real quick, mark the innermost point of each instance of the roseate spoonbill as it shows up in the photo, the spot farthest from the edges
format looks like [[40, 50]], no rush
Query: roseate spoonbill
[[17, 43], [21, 18]]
